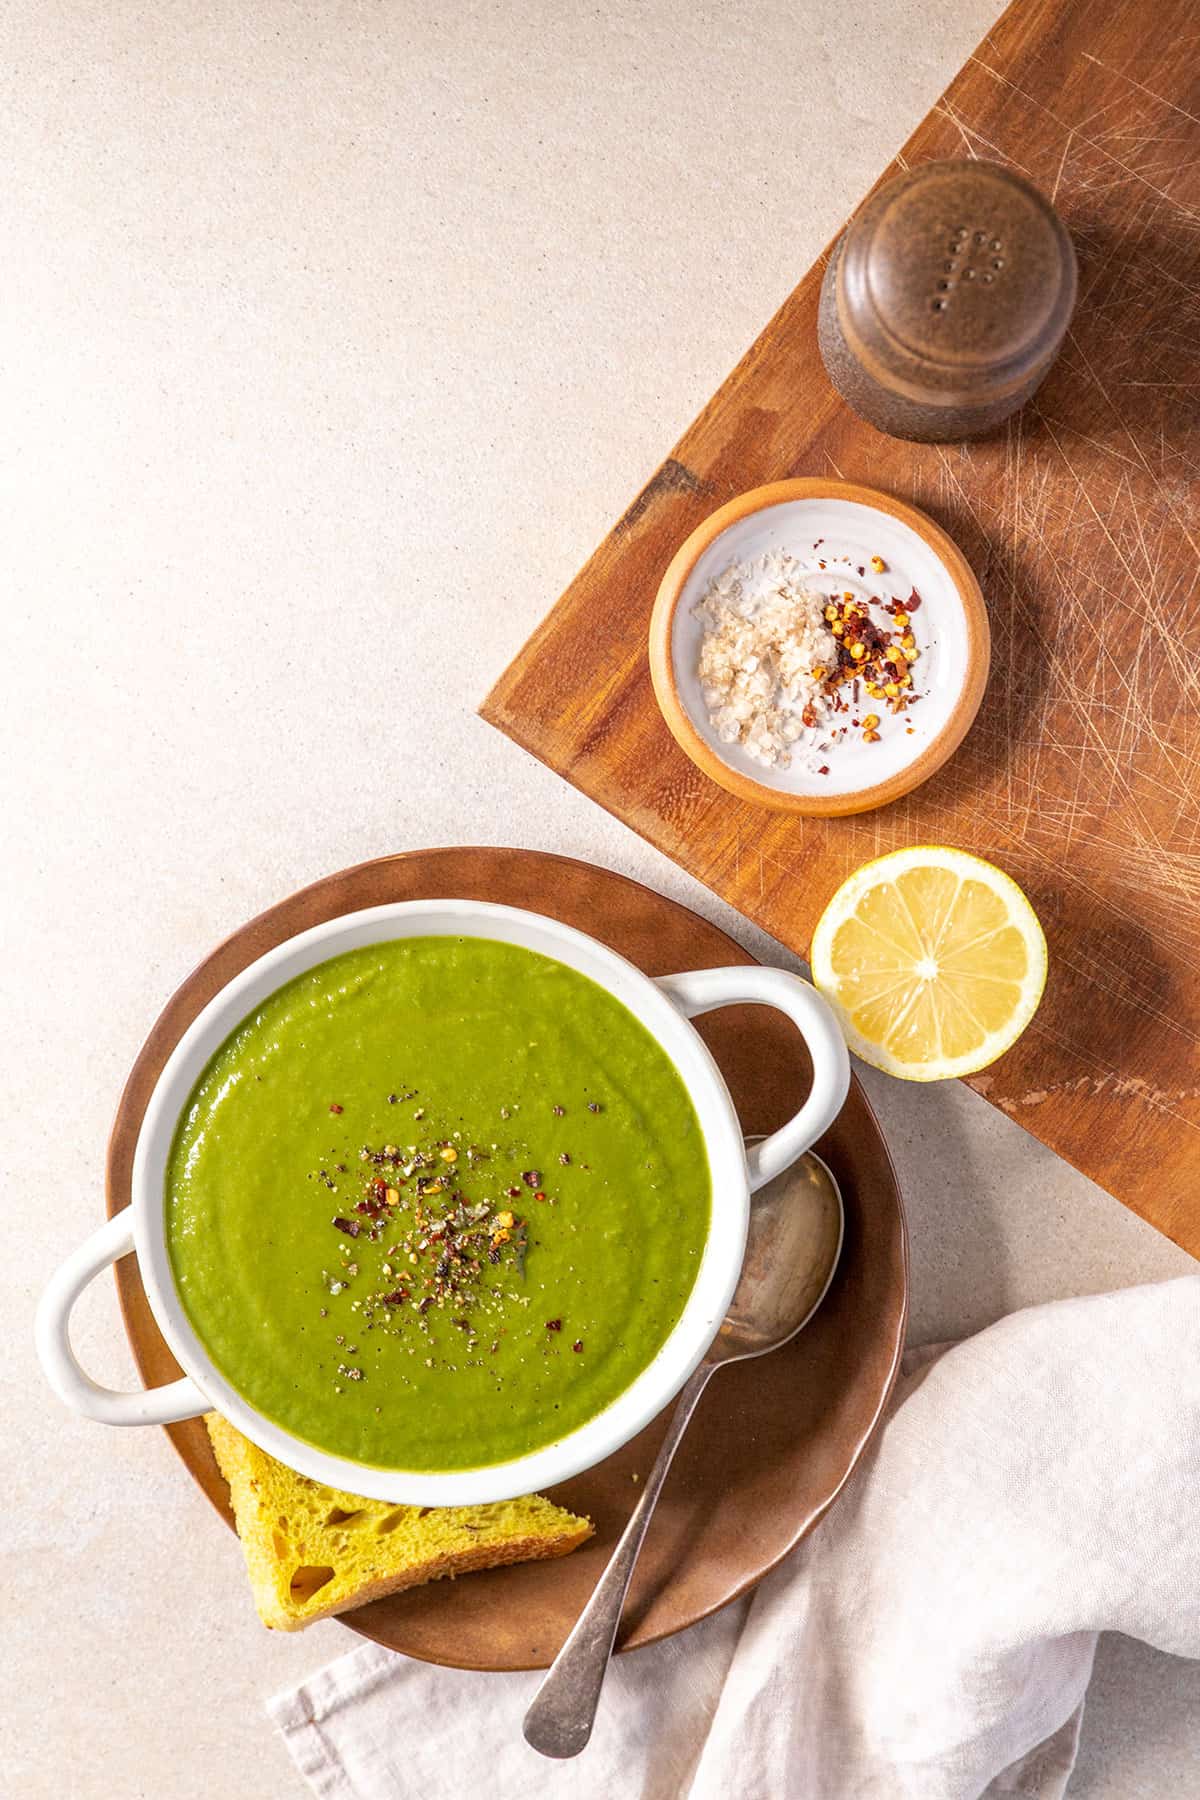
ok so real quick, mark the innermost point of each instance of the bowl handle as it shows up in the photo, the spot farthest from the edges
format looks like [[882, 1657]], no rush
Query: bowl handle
[[703, 990], [150, 1406]]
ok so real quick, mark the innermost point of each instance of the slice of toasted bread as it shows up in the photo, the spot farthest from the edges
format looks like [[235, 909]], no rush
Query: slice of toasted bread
[[313, 1550]]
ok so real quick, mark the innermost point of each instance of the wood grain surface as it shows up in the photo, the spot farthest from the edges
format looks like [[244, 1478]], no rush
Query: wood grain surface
[[772, 1442], [1082, 521]]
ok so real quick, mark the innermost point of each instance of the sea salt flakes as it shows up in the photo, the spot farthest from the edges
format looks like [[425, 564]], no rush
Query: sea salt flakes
[[764, 635]]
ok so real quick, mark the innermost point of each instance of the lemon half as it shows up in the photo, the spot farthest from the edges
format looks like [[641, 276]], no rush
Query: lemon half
[[933, 960]]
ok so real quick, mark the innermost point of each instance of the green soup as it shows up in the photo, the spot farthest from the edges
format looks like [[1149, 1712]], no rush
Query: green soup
[[436, 1203]]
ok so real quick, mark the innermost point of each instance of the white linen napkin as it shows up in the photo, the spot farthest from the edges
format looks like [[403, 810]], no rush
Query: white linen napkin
[[933, 1639]]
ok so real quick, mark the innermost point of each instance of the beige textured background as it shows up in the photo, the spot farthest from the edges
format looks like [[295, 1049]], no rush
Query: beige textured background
[[333, 338]]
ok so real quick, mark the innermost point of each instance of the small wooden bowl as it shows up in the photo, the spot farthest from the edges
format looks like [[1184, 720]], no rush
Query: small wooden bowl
[[842, 526]]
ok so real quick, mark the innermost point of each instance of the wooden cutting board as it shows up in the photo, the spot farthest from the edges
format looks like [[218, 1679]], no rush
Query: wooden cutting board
[[1082, 522]]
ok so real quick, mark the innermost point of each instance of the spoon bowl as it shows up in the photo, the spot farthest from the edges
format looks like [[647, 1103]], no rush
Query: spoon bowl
[[797, 1223]]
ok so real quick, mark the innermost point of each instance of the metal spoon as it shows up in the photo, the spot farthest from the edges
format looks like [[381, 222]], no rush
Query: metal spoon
[[792, 1248]]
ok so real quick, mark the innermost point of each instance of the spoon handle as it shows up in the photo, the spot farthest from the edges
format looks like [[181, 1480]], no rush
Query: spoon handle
[[560, 1718]]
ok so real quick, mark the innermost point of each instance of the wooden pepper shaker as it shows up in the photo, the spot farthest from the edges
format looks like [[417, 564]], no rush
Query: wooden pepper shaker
[[946, 300]]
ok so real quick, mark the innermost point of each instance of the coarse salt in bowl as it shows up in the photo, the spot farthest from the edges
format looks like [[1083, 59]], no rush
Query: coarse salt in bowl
[[772, 733]]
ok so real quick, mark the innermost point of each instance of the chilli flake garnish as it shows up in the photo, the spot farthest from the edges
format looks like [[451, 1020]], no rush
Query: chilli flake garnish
[[442, 1241]]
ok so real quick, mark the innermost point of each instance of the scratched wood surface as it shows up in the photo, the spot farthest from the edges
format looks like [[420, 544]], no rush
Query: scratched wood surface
[[1082, 521]]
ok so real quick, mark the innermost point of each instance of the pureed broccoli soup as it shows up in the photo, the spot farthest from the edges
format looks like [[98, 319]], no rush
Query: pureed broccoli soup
[[436, 1203]]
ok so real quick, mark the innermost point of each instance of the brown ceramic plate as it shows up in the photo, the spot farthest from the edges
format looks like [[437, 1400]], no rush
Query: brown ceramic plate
[[773, 1441], [833, 529]]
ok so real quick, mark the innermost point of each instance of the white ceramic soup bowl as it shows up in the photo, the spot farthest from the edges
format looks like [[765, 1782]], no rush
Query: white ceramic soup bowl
[[663, 1006]]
